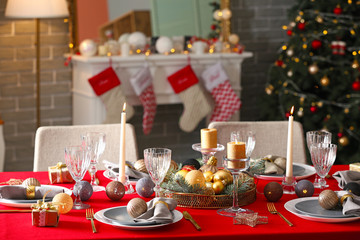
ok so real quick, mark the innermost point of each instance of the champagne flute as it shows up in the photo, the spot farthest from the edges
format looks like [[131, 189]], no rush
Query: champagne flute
[[96, 143], [77, 159], [157, 162], [314, 137]]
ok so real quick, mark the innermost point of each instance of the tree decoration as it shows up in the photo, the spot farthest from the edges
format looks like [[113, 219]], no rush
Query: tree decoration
[[313, 109], [316, 44], [356, 85], [337, 10], [289, 32], [355, 64], [115, 190], [301, 26], [325, 81], [328, 199], [279, 63], [304, 188], [313, 69], [344, 141], [273, 191], [145, 187]]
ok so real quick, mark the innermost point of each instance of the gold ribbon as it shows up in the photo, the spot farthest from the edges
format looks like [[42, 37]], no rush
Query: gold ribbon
[[30, 192], [42, 205], [165, 203], [343, 198], [59, 167]]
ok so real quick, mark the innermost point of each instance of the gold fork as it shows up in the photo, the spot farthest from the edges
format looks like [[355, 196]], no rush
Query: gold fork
[[272, 210], [90, 216]]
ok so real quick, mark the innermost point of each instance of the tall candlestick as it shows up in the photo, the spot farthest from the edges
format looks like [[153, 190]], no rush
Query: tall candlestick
[[289, 154], [122, 147]]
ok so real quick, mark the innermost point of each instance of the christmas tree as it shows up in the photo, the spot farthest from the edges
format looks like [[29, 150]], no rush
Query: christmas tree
[[317, 71]]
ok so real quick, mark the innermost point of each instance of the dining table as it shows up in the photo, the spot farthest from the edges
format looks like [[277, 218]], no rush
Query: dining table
[[74, 225]]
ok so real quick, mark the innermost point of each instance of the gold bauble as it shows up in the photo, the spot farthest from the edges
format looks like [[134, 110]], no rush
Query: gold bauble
[[208, 175], [218, 187], [325, 81], [212, 161], [344, 140], [223, 176], [346, 110], [195, 177], [313, 69], [355, 64], [181, 173], [319, 19], [64, 202], [140, 166]]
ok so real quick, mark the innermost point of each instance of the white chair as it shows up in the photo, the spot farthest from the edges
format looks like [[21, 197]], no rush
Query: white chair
[[271, 138], [51, 141]]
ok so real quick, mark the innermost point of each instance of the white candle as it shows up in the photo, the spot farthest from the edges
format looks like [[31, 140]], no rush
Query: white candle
[[122, 147], [289, 154]]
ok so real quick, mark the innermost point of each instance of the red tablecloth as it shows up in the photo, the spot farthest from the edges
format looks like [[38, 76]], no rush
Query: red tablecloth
[[73, 225]]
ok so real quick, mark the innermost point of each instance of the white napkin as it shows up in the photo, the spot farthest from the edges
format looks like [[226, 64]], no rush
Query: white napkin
[[158, 212], [129, 169], [19, 192], [351, 206], [344, 177], [274, 164]]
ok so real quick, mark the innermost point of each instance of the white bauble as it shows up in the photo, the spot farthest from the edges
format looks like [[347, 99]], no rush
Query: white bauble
[[217, 15], [164, 44], [124, 38], [226, 14], [88, 48], [234, 39], [137, 40]]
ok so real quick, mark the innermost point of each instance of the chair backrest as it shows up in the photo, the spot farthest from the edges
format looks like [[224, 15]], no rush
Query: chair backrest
[[270, 137], [51, 141]]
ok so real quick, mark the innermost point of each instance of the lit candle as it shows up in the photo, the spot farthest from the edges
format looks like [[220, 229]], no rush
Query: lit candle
[[122, 147], [289, 154]]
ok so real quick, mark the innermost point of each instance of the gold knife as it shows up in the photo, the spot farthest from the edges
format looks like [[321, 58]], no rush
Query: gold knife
[[15, 211], [187, 216]]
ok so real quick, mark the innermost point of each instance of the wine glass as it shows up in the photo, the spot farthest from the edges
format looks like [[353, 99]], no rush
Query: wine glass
[[157, 162], [77, 159], [323, 157], [313, 137], [96, 143], [248, 137]]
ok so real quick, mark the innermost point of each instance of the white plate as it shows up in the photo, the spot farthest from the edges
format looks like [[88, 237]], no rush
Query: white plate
[[110, 175], [24, 203], [308, 171], [177, 216], [290, 206]]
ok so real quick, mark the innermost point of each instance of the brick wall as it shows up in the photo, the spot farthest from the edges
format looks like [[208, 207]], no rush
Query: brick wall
[[257, 22]]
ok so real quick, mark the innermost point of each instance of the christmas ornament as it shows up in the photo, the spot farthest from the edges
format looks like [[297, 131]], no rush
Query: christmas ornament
[[86, 190], [137, 40], [300, 113], [279, 63], [273, 191], [234, 38], [31, 182], [88, 48], [290, 52], [316, 44], [353, 187], [337, 10], [115, 190], [217, 15], [208, 167], [218, 187], [223, 176], [145, 187], [304, 188], [319, 19], [292, 24], [325, 81], [313, 69], [208, 175], [226, 14], [188, 168], [290, 73], [192, 162], [313, 109], [356, 85], [140, 166], [195, 177], [250, 219], [355, 64], [164, 45], [340, 134], [182, 173], [301, 26], [328, 199], [289, 32], [344, 141], [341, 47], [64, 202], [213, 26], [136, 207]]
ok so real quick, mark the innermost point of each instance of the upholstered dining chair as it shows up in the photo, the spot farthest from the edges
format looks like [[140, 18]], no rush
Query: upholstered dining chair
[[270, 136], [50, 142]]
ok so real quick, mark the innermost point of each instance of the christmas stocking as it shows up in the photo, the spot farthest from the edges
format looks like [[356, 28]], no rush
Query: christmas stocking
[[142, 84], [226, 100], [107, 86], [185, 83]]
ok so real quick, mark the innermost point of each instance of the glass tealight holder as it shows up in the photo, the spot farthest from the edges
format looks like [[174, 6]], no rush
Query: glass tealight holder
[[288, 184], [207, 152]]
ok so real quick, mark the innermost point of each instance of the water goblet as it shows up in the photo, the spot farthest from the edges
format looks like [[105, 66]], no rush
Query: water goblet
[[157, 162], [319, 136], [248, 137], [96, 143], [77, 159], [323, 157]]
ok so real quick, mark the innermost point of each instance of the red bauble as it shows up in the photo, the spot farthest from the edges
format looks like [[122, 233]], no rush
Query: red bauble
[[188, 167], [338, 10], [356, 85], [287, 115], [301, 26], [340, 135], [313, 109], [316, 44], [279, 63], [213, 27], [289, 32]]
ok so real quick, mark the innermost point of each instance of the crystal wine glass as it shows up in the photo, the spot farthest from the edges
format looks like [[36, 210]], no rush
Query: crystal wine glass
[[96, 143], [313, 137], [157, 162], [248, 137], [77, 159], [323, 157]]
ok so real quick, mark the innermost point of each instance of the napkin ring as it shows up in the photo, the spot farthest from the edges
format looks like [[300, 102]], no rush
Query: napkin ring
[[165, 203], [342, 199], [30, 192]]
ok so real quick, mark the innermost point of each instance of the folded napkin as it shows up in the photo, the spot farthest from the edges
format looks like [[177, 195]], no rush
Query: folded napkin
[[351, 205], [269, 164], [344, 177], [129, 169], [159, 211], [19, 192]]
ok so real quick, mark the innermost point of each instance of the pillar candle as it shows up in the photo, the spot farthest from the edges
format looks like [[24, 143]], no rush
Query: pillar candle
[[236, 151], [289, 153], [208, 138], [122, 147]]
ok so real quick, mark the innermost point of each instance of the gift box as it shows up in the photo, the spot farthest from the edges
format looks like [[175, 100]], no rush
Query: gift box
[[355, 167], [44, 218], [59, 173]]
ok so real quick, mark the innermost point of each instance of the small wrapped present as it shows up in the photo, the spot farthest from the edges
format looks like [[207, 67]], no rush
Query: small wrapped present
[[44, 214], [59, 173], [355, 167]]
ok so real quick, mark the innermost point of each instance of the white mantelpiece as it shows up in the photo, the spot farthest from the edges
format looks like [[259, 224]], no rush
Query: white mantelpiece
[[89, 109]]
